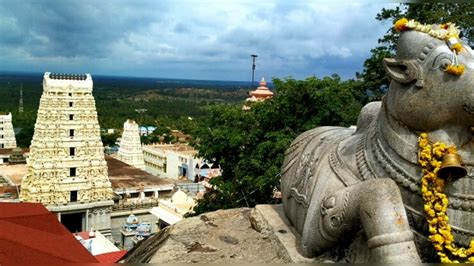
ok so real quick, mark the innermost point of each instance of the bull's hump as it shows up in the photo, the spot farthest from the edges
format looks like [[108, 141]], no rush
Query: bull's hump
[[306, 159], [318, 136]]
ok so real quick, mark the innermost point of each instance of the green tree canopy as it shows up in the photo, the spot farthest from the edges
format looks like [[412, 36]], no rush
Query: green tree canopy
[[250, 144]]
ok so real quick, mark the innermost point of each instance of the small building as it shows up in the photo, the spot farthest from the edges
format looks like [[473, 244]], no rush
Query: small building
[[206, 169], [171, 211], [134, 231], [146, 130], [11, 174], [175, 161], [6, 154], [100, 247]]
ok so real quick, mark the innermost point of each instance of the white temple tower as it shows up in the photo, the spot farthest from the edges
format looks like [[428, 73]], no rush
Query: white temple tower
[[67, 171], [7, 135], [130, 150]]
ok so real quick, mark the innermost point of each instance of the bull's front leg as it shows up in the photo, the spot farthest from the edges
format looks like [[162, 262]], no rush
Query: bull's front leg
[[377, 206]]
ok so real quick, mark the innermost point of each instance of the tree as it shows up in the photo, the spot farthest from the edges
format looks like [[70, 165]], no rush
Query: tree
[[374, 77], [109, 139], [250, 145]]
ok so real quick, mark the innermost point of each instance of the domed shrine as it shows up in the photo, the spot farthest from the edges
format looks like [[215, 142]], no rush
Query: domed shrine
[[261, 93]]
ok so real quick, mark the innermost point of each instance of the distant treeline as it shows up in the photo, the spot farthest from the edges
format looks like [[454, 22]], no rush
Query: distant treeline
[[168, 102]]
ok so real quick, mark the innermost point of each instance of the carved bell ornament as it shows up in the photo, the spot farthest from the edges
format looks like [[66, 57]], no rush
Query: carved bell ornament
[[451, 167]]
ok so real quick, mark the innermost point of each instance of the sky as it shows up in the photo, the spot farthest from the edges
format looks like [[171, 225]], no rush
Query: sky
[[189, 39]]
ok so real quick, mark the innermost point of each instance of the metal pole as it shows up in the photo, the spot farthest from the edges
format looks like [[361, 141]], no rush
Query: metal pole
[[20, 107], [253, 68]]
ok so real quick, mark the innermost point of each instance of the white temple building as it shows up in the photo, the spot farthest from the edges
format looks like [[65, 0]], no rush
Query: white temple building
[[130, 150], [7, 135], [66, 168]]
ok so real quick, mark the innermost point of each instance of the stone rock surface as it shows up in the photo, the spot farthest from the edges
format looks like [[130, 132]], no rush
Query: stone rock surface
[[236, 235]]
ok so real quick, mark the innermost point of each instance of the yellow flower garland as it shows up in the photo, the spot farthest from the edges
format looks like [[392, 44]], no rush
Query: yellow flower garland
[[436, 203], [455, 70], [447, 32]]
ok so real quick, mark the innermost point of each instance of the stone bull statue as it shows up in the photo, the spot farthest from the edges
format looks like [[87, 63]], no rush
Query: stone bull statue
[[337, 182]]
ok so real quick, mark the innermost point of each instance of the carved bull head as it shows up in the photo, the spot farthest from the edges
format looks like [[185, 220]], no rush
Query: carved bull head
[[422, 94]]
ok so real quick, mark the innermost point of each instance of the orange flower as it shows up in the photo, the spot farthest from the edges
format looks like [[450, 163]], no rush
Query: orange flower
[[437, 238], [457, 47], [400, 25], [455, 70], [452, 149]]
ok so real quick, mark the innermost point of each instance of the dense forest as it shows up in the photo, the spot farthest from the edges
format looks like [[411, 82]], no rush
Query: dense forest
[[163, 102]]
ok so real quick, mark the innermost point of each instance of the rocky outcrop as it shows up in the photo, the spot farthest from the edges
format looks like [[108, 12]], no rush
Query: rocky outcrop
[[236, 235]]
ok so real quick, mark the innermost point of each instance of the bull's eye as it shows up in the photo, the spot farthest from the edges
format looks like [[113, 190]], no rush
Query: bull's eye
[[442, 61]]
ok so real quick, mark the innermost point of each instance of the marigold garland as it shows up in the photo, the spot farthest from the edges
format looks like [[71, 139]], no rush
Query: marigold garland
[[447, 32], [457, 47], [436, 203], [455, 70], [400, 25]]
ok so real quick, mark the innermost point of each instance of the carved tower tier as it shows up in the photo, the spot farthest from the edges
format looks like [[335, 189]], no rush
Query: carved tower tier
[[7, 135], [67, 171], [130, 151]]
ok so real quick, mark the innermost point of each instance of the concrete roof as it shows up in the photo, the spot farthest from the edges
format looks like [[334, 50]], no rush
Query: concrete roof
[[14, 172], [8, 151], [122, 175], [179, 148]]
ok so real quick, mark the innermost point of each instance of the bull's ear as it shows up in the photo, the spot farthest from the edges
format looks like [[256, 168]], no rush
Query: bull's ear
[[404, 71]]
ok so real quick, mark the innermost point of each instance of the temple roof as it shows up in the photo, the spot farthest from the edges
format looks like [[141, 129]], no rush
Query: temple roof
[[262, 91], [30, 235]]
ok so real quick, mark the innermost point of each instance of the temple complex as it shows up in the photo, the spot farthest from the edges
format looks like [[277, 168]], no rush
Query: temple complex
[[130, 151], [7, 135], [66, 169]]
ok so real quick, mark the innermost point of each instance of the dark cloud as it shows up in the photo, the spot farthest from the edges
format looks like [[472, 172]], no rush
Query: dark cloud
[[72, 28], [187, 39]]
